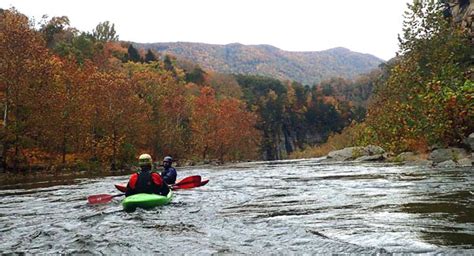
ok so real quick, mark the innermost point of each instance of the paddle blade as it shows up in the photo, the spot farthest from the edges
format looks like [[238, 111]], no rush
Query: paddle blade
[[121, 187], [204, 182], [188, 182], [99, 199]]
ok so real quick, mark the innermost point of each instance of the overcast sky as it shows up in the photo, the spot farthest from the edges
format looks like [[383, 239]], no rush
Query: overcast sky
[[366, 26]]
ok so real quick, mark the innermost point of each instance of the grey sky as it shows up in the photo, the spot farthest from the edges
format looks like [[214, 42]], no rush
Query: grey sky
[[367, 26]]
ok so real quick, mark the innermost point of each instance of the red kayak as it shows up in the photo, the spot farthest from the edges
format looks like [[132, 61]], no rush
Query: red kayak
[[188, 182]]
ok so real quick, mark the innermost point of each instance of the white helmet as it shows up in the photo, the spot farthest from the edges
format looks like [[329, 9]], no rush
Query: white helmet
[[144, 159]]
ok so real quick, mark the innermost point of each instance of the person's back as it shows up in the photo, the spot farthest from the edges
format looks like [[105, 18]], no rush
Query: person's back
[[169, 173], [146, 181]]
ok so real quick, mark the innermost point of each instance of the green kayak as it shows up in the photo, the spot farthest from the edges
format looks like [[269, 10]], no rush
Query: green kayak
[[145, 201]]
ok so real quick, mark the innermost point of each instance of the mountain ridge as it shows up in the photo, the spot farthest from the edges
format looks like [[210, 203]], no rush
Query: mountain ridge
[[307, 67]]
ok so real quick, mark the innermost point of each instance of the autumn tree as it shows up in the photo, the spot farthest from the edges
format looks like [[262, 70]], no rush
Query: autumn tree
[[120, 117], [61, 113], [56, 30], [22, 57], [169, 105], [427, 99], [236, 137], [225, 85], [204, 122]]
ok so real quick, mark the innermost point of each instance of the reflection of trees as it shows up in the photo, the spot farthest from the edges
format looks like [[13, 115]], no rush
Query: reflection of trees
[[442, 210]]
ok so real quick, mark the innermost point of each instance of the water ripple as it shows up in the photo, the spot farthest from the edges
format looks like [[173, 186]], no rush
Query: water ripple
[[281, 207]]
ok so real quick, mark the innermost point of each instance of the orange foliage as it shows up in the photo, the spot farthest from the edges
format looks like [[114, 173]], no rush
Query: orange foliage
[[223, 129]]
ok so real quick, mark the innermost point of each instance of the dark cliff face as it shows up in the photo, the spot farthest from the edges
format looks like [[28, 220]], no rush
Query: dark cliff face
[[305, 67]]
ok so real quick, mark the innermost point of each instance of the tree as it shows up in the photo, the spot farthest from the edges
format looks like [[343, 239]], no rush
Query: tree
[[427, 99], [197, 76], [133, 54], [105, 32], [205, 122], [168, 64], [119, 117], [23, 67], [237, 137], [225, 85], [56, 30], [150, 56]]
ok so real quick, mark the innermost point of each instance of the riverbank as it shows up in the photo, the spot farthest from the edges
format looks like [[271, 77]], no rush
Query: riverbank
[[438, 157]]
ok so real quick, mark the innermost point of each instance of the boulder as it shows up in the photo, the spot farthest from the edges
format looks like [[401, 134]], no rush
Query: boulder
[[445, 154], [344, 154], [447, 164], [368, 153], [410, 158], [465, 162], [374, 150], [371, 158], [469, 141]]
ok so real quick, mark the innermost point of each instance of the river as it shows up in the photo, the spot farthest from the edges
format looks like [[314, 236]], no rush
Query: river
[[281, 207]]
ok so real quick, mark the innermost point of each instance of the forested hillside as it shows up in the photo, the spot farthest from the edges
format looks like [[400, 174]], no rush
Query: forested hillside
[[89, 101], [424, 99], [307, 68], [427, 98]]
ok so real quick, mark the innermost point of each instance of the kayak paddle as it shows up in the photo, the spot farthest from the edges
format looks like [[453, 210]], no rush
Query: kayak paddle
[[188, 182], [190, 185], [101, 198]]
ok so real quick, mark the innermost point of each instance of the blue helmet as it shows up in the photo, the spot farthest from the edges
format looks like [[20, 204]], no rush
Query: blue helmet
[[168, 159]]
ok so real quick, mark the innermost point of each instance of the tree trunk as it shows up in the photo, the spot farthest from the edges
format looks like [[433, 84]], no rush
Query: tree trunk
[[5, 142], [114, 150]]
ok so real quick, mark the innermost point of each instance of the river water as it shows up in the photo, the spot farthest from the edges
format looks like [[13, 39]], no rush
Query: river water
[[282, 207]]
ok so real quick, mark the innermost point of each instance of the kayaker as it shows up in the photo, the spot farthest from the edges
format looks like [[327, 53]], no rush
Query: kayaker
[[169, 173], [146, 181]]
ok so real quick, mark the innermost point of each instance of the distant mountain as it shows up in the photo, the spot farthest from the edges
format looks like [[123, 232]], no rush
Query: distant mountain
[[305, 67]]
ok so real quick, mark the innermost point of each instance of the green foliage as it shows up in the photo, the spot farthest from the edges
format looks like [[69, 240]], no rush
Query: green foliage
[[150, 56], [196, 76], [133, 54], [54, 30], [105, 32], [426, 99], [81, 47], [168, 64], [291, 114]]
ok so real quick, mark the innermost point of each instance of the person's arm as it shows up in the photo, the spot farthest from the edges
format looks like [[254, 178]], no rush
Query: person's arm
[[131, 185], [156, 178], [160, 184]]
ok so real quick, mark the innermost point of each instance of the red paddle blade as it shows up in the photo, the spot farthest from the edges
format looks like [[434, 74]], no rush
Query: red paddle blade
[[121, 187], [186, 185], [99, 199], [190, 185], [189, 180]]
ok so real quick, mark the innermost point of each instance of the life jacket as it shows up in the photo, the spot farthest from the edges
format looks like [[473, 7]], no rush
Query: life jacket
[[147, 181], [169, 175]]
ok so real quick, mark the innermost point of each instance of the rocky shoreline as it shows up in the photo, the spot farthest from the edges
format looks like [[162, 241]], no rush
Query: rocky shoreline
[[438, 157]]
